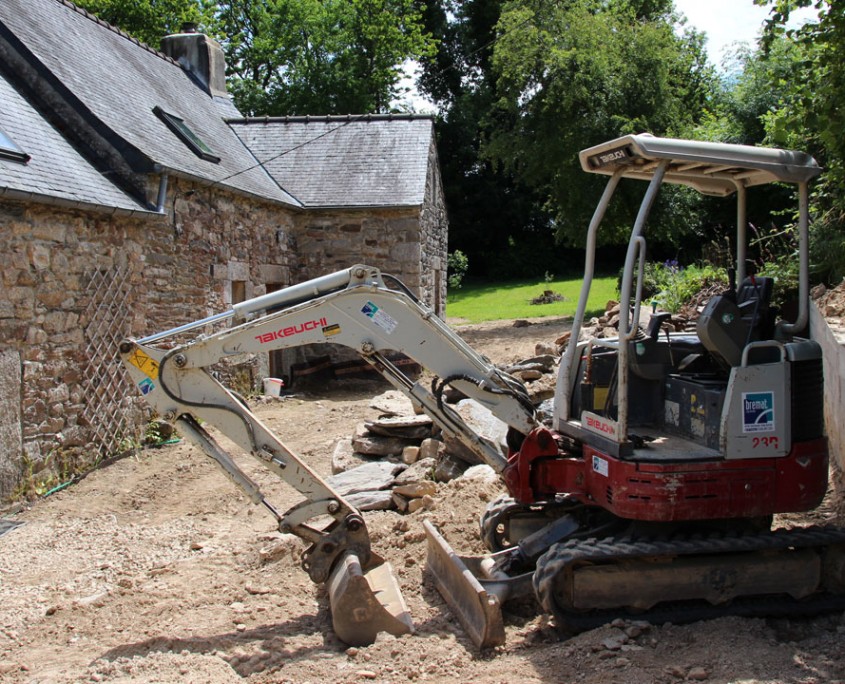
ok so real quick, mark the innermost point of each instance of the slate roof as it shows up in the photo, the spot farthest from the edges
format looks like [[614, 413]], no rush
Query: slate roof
[[112, 83], [119, 81], [55, 169], [353, 161]]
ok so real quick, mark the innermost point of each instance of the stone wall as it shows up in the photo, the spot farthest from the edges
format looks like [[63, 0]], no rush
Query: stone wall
[[409, 243], [61, 268], [832, 340], [434, 235], [388, 239], [75, 282]]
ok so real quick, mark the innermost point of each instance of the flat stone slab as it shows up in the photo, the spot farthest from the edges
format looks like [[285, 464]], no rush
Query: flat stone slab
[[381, 500], [406, 427], [7, 525], [366, 478], [376, 445]]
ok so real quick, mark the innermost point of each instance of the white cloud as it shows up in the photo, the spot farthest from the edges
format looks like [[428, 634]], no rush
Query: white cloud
[[730, 21]]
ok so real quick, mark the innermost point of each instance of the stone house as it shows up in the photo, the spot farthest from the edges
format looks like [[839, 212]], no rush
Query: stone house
[[134, 197]]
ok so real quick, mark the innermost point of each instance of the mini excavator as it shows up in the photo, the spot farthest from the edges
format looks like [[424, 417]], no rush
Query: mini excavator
[[648, 490]]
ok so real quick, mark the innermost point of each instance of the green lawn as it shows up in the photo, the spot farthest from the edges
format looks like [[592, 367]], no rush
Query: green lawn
[[478, 302]]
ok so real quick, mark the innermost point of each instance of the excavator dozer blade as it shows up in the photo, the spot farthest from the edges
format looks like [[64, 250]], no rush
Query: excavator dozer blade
[[480, 612], [364, 604]]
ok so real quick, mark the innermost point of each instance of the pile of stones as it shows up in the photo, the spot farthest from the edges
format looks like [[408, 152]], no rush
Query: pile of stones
[[396, 460]]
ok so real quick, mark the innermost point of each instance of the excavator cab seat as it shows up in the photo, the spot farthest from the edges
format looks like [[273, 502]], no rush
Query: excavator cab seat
[[754, 299], [730, 321]]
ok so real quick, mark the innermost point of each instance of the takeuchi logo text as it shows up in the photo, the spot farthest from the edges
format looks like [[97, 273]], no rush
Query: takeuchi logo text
[[291, 330], [600, 425]]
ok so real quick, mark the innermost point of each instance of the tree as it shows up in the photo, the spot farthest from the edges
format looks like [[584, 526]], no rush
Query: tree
[[576, 73], [289, 57], [293, 56], [149, 20], [496, 221], [811, 115]]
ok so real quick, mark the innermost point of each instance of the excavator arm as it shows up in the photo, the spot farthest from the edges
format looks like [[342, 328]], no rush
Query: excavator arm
[[356, 309]]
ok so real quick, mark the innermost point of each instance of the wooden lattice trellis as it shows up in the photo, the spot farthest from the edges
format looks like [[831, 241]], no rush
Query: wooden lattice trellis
[[108, 387]]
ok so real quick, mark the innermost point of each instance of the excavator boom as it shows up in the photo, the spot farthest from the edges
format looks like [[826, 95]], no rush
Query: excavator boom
[[356, 309]]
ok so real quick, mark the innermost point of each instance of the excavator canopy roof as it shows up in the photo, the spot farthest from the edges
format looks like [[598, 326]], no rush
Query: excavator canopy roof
[[711, 168]]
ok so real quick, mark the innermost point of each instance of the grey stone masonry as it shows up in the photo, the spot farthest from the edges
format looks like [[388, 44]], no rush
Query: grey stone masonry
[[178, 267]]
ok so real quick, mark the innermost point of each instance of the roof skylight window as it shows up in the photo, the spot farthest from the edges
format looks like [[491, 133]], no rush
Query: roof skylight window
[[186, 135], [10, 150]]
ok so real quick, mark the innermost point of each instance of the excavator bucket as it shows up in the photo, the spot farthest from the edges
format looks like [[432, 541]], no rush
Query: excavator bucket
[[478, 610], [364, 604]]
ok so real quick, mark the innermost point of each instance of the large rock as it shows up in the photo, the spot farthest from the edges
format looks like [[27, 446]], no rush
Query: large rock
[[366, 478], [417, 490], [449, 468], [485, 425], [429, 448], [481, 473], [410, 454], [542, 389], [375, 445], [381, 500], [417, 472], [458, 449], [346, 458]]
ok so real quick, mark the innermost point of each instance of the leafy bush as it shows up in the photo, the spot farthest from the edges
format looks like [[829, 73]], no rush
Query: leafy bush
[[827, 251], [457, 266], [777, 258], [672, 285]]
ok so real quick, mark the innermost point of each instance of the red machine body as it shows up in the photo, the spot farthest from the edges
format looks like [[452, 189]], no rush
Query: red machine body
[[673, 491]]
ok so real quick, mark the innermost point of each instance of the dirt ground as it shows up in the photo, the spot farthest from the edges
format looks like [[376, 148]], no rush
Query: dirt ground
[[156, 569]]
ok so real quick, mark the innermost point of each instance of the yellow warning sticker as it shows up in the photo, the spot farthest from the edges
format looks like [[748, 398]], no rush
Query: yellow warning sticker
[[144, 363]]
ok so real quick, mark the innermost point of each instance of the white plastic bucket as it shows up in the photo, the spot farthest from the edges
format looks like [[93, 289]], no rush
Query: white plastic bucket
[[273, 387]]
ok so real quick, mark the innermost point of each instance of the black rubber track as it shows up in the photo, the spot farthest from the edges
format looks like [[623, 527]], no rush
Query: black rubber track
[[554, 562]]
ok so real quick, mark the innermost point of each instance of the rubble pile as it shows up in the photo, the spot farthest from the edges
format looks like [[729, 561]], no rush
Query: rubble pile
[[396, 461], [607, 325], [548, 297]]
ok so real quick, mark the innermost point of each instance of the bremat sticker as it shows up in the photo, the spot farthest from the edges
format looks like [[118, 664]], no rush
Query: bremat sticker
[[758, 411]]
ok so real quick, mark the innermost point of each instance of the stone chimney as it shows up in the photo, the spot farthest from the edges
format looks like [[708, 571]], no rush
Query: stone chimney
[[200, 55]]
